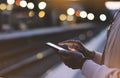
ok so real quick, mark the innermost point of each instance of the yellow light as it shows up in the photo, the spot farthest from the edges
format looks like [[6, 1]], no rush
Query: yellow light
[[112, 5], [41, 14], [39, 55], [23, 3], [90, 16], [83, 14], [31, 13], [62, 17], [30, 5], [42, 5], [70, 11], [10, 2], [9, 7], [70, 18], [3, 6], [102, 17]]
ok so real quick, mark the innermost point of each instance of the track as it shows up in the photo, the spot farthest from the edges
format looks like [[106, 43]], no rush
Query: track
[[29, 57]]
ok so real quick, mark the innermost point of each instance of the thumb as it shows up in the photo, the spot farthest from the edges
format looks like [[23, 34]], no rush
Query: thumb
[[67, 42]]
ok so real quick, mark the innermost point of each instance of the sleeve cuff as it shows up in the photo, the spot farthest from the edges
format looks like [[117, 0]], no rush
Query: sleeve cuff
[[89, 68]]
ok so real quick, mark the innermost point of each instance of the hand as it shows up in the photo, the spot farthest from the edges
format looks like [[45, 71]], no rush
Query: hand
[[74, 60], [77, 45]]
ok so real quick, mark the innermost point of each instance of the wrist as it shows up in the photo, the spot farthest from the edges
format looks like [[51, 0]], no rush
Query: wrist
[[83, 61], [90, 54]]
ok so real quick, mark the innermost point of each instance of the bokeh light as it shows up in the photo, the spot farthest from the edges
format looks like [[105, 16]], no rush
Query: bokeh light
[[41, 14], [10, 2], [9, 7], [62, 17], [31, 13], [23, 3], [83, 14], [89, 33], [112, 5], [77, 13], [90, 16], [70, 11], [102, 17], [82, 37], [3, 6], [30, 5], [70, 18], [17, 2], [23, 26], [42, 5], [39, 56]]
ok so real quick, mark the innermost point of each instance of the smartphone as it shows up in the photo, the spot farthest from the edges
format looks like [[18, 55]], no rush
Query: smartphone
[[55, 46]]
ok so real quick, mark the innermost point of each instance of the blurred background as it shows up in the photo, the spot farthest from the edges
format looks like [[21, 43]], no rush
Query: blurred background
[[26, 25]]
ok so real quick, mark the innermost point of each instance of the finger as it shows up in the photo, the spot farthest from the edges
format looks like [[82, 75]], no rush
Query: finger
[[72, 48], [69, 43], [74, 45]]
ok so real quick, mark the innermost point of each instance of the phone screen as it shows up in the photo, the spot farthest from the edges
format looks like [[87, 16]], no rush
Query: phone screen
[[54, 46]]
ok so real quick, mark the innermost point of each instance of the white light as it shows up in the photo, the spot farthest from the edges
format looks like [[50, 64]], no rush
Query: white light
[[112, 5], [9, 7], [23, 3], [30, 5], [90, 16], [70, 11], [42, 5], [10, 2], [70, 18], [103, 17], [83, 14]]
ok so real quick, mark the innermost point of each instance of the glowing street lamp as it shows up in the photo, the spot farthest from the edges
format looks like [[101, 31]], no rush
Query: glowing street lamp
[[42, 5], [3, 6], [70, 18], [90, 16], [41, 14], [31, 13], [62, 17], [112, 5], [10, 2], [9, 7], [77, 13], [70, 11], [30, 5], [102, 17], [83, 14], [17, 2], [23, 3]]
